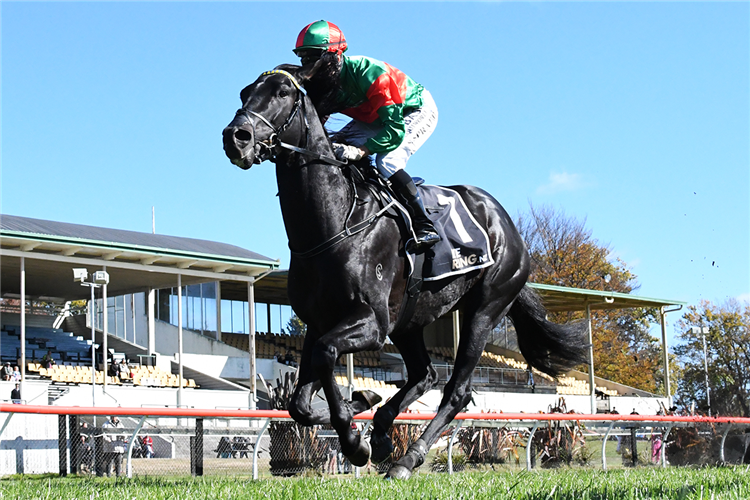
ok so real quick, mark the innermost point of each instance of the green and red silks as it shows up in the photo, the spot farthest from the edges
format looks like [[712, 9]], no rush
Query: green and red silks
[[377, 93]]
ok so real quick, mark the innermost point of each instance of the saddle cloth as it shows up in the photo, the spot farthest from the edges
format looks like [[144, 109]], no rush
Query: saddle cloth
[[464, 245]]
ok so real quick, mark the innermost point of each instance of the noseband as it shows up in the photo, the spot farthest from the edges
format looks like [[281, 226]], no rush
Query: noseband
[[268, 148]]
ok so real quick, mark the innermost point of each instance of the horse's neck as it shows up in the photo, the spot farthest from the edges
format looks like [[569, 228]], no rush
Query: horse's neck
[[315, 197]]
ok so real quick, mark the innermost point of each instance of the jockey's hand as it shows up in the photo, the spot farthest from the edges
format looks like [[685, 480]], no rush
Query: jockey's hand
[[346, 152]]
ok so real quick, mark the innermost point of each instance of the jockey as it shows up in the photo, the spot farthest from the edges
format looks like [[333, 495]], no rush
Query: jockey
[[392, 115]]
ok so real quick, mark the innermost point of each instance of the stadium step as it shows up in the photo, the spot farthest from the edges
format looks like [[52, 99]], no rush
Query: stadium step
[[55, 392]]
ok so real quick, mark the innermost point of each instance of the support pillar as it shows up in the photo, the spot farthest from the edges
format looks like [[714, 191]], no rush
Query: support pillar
[[592, 383], [23, 325], [665, 354], [251, 343], [179, 339], [218, 311], [105, 352], [268, 318], [350, 373], [151, 318]]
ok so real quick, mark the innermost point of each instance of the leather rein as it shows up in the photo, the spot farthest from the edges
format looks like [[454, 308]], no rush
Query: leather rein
[[268, 151]]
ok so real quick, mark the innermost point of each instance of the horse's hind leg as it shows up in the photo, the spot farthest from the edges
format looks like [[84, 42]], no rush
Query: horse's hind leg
[[479, 320], [421, 377]]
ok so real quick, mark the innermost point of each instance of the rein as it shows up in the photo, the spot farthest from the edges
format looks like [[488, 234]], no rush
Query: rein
[[273, 141], [268, 153]]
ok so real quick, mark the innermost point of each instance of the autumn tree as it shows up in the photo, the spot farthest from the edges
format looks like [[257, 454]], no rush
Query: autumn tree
[[295, 326], [727, 353], [565, 253]]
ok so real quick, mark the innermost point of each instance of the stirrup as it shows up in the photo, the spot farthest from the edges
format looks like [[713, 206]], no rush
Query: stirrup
[[422, 243]]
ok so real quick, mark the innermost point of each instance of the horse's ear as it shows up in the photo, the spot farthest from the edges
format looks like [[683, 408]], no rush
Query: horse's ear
[[244, 94]]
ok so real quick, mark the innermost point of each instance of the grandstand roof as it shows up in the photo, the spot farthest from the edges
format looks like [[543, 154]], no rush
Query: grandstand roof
[[135, 261], [560, 298], [555, 298]]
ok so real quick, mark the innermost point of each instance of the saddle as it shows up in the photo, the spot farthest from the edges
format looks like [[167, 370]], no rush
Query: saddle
[[464, 244]]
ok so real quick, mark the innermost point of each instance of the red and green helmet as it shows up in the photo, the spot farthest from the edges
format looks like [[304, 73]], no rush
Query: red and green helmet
[[321, 35]]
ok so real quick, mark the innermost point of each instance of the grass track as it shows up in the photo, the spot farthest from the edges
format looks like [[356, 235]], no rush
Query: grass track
[[567, 484]]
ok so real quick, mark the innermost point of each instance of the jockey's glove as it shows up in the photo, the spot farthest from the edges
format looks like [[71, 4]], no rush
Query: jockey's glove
[[346, 152]]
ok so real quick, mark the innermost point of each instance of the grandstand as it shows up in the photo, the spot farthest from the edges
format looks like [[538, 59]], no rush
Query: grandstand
[[197, 360]]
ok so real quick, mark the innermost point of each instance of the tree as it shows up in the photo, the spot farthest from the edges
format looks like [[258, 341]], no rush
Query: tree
[[728, 354], [295, 326], [564, 253]]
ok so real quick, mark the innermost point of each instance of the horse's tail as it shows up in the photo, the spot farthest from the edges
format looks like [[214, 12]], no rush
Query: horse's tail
[[549, 347]]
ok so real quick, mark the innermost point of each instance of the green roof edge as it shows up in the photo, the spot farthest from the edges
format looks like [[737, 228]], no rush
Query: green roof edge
[[274, 264], [605, 294]]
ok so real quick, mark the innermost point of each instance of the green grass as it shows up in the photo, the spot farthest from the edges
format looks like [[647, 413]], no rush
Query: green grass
[[646, 483]]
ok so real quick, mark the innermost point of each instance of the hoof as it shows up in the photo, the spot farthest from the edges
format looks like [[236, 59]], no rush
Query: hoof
[[398, 472], [362, 454], [381, 448]]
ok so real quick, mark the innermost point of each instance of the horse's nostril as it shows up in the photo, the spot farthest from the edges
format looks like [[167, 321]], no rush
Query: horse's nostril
[[243, 135]]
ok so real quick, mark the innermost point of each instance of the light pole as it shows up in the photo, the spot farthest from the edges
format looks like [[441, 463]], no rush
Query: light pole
[[703, 330], [100, 278]]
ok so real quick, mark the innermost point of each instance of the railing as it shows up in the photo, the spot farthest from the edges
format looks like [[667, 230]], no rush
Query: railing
[[491, 376], [183, 437]]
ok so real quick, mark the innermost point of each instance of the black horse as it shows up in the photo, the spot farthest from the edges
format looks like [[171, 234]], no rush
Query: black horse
[[349, 291]]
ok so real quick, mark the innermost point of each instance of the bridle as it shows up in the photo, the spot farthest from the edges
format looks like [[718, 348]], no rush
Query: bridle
[[268, 149]]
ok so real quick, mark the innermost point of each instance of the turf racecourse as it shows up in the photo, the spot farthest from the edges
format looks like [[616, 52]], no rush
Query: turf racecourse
[[646, 483]]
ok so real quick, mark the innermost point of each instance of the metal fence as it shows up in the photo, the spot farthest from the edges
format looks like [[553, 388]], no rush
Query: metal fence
[[179, 442]]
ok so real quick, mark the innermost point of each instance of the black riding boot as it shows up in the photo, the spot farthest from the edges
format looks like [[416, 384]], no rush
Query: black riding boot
[[404, 188]]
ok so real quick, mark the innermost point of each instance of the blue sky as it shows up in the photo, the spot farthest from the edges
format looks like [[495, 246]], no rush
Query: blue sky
[[634, 116]]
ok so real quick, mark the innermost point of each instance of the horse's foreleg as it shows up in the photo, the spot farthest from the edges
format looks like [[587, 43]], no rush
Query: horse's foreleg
[[300, 406], [358, 332], [421, 377]]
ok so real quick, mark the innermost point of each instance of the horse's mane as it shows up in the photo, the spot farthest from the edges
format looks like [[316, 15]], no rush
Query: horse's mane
[[324, 86]]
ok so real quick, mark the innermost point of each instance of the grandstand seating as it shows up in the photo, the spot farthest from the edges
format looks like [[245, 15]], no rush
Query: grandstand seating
[[140, 376], [364, 383], [572, 386], [65, 347], [266, 346]]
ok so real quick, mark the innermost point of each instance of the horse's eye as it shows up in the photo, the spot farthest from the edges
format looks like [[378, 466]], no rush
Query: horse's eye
[[283, 93]]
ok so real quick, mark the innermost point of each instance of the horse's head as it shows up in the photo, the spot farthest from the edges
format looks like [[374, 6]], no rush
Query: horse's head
[[269, 108]]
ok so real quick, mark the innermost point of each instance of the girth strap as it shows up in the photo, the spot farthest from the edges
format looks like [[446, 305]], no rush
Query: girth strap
[[413, 287], [344, 234]]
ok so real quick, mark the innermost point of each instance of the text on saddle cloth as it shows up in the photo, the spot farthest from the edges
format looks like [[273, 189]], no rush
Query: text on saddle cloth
[[464, 244]]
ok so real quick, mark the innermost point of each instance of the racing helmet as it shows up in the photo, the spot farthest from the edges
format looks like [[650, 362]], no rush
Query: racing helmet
[[319, 37]]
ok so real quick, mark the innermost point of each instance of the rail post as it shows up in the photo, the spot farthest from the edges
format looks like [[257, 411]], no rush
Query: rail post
[[76, 450], [62, 444], [604, 446], [198, 446], [663, 452], [131, 443], [723, 440], [257, 447], [529, 444], [450, 446], [634, 445]]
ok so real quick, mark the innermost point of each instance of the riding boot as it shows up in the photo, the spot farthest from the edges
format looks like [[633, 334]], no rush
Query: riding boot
[[424, 230]]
